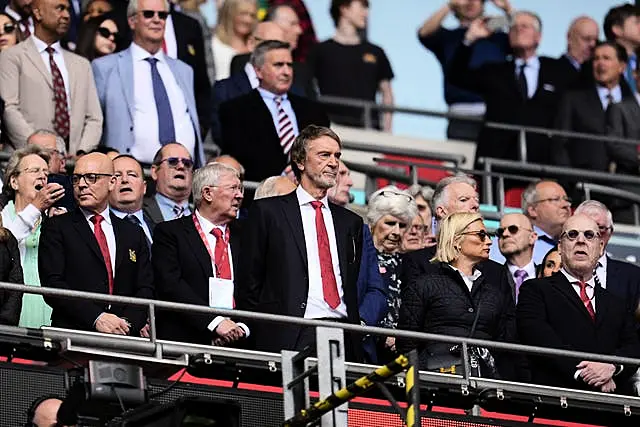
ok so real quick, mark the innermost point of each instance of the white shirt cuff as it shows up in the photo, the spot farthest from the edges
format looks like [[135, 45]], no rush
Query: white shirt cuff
[[30, 215], [577, 374], [245, 328], [215, 322]]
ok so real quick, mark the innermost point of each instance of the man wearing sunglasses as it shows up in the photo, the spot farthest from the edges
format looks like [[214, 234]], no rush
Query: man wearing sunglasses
[[569, 310], [158, 106], [47, 87], [516, 239]]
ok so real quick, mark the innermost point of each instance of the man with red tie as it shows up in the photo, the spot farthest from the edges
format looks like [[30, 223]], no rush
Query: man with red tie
[[197, 258], [570, 310], [302, 253], [92, 250]]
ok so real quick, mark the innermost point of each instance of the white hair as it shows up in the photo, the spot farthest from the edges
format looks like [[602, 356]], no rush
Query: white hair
[[267, 188], [209, 176], [595, 206], [390, 200], [440, 194], [132, 7]]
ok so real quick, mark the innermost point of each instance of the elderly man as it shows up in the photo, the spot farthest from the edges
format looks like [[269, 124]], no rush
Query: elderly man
[[274, 186], [546, 204], [196, 260], [582, 37], [515, 240], [172, 171], [93, 251], [570, 311], [126, 198]]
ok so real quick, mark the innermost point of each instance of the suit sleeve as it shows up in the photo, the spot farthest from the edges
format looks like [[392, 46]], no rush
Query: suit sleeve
[[374, 294], [460, 74], [169, 282], [627, 347], [202, 84], [18, 128], [560, 154], [230, 132], [92, 131], [216, 100], [51, 265], [412, 313], [143, 287], [625, 155], [12, 306]]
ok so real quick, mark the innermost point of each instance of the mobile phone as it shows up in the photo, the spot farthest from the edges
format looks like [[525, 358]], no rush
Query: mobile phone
[[496, 23], [65, 201]]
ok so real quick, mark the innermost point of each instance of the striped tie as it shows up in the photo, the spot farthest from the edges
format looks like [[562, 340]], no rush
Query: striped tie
[[285, 128]]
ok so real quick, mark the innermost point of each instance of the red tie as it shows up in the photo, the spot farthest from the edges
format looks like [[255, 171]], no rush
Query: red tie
[[104, 248], [223, 269], [25, 24], [329, 286], [585, 300], [61, 122]]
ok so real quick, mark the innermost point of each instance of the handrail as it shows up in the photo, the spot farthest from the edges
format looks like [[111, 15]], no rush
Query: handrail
[[385, 173], [588, 188], [456, 159]]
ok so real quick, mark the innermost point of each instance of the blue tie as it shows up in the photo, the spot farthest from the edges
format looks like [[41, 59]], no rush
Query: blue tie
[[628, 73], [166, 132]]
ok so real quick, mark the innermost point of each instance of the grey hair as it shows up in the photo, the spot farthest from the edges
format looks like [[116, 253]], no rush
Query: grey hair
[[267, 188], [530, 195], [425, 192], [14, 162], [209, 176], [535, 16], [132, 8], [440, 193], [60, 144], [595, 206], [390, 200], [259, 53]]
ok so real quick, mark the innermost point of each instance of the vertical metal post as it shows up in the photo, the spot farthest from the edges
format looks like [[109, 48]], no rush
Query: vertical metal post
[[522, 145], [367, 115], [413, 170], [466, 366], [487, 187], [412, 381], [296, 398], [331, 372], [501, 195], [587, 192], [636, 214], [153, 332]]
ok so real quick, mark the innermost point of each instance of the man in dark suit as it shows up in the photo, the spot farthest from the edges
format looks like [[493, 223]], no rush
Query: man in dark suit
[[197, 256], [586, 110], [301, 253], [93, 251], [516, 239], [258, 129], [570, 311], [126, 198], [582, 37], [521, 91]]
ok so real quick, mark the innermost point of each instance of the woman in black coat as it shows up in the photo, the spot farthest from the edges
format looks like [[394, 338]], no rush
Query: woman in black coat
[[10, 271], [454, 299]]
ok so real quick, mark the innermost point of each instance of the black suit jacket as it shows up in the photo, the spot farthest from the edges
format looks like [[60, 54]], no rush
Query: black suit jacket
[[275, 274], [551, 314], [576, 78], [10, 271], [152, 212], [249, 135], [496, 83], [182, 268], [236, 85], [623, 281], [69, 258], [190, 43], [624, 122]]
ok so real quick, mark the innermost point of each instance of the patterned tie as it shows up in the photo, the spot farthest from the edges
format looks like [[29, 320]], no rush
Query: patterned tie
[[284, 128], [104, 248], [166, 131], [329, 285], [61, 122], [178, 211], [26, 32], [586, 300], [520, 276], [221, 253], [134, 220]]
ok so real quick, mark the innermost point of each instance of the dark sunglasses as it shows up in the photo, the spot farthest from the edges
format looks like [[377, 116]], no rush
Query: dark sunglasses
[[572, 235], [483, 235], [8, 28], [173, 162], [512, 229], [148, 14], [106, 33]]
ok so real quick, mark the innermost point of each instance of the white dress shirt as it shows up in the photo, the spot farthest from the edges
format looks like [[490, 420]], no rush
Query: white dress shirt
[[15, 15], [531, 72], [603, 92], [590, 286], [601, 271], [251, 74], [270, 101], [107, 229], [170, 41], [468, 280], [317, 307], [529, 268], [207, 226], [22, 225], [58, 58], [138, 214], [145, 118]]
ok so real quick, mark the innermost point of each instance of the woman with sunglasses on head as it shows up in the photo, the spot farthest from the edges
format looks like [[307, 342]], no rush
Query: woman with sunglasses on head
[[391, 212], [455, 299], [9, 35], [98, 37], [30, 197]]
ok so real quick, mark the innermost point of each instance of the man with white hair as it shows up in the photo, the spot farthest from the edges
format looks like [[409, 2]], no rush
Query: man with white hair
[[274, 186], [197, 257]]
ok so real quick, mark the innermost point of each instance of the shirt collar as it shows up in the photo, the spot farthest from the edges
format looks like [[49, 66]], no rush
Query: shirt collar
[[603, 261], [251, 74], [41, 46], [104, 214], [616, 92], [139, 54], [573, 61], [164, 200], [591, 282], [120, 214], [208, 226], [543, 234], [12, 13], [305, 198], [533, 63], [270, 95], [476, 273], [529, 268]]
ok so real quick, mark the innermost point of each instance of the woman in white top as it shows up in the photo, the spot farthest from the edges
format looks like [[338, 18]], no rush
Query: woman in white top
[[236, 21], [29, 196]]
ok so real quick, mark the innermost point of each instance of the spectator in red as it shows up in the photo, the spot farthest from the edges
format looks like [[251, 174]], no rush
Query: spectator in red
[[307, 39]]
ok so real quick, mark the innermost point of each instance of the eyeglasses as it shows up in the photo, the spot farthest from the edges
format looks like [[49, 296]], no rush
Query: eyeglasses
[[148, 14], [572, 235], [89, 178], [34, 171], [482, 234], [173, 162], [233, 188], [106, 33], [512, 229], [8, 28], [389, 193], [555, 200]]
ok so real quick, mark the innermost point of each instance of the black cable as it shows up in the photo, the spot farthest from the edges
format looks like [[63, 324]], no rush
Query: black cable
[[169, 387], [115, 391]]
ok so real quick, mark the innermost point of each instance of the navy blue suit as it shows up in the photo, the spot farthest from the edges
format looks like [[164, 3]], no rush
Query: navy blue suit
[[224, 90]]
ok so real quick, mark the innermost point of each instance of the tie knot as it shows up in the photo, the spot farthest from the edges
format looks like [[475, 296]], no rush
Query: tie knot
[[97, 219], [521, 274], [133, 219], [50, 50], [151, 60], [583, 285], [178, 210], [278, 100], [217, 233], [316, 204]]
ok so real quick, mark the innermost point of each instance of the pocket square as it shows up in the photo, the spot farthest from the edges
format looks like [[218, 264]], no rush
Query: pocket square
[[132, 255], [549, 87]]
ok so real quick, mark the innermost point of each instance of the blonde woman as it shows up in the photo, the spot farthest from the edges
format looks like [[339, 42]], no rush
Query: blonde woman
[[455, 299], [236, 21]]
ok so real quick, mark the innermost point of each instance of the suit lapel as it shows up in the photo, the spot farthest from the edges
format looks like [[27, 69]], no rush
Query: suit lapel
[[234, 241], [36, 59], [602, 305], [512, 283], [121, 249], [70, 63], [197, 245], [151, 208], [125, 71], [83, 229], [291, 210], [342, 239], [561, 283]]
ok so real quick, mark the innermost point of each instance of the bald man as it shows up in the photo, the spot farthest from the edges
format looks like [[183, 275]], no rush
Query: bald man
[[92, 250], [46, 413], [515, 240], [274, 186], [582, 37]]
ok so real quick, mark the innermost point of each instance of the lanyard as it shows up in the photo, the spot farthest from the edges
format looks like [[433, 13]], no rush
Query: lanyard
[[204, 239]]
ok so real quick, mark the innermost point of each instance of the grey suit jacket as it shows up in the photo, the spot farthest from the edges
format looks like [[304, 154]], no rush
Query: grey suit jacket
[[624, 122], [27, 90]]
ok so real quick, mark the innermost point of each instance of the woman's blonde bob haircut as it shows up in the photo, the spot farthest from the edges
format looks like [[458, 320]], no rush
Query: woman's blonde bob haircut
[[450, 235]]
